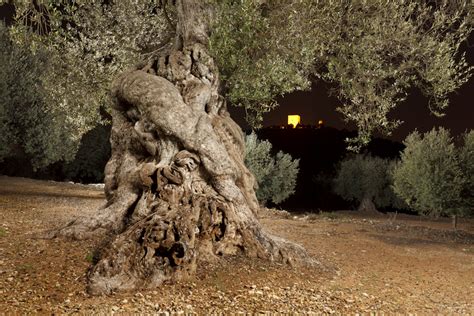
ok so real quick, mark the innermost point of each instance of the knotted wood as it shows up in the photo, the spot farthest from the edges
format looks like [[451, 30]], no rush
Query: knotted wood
[[178, 191]]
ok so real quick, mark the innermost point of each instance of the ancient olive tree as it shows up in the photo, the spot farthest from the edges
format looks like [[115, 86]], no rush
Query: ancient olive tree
[[367, 180], [177, 187], [275, 174], [178, 191], [431, 177]]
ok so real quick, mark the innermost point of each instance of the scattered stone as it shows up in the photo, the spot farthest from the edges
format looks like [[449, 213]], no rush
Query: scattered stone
[[37, 293]]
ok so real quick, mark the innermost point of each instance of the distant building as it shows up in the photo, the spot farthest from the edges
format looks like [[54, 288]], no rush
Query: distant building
[[294, 120]]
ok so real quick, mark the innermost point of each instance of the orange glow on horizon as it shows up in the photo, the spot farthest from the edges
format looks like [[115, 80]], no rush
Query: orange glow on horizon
[[294, 120]]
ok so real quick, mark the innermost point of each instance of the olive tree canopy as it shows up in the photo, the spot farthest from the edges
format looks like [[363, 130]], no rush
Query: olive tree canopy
[[374, 52]]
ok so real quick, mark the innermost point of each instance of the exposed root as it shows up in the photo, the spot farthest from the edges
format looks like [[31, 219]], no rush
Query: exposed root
[[168, 245]]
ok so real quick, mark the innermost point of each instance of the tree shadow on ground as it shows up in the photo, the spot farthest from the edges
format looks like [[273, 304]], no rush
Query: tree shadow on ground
[[92, 195]]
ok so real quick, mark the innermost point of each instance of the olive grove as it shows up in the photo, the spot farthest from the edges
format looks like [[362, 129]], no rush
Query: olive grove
[[178, 192]]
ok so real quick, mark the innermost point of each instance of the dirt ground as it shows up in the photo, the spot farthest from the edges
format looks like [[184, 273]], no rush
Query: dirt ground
[[366, 264]]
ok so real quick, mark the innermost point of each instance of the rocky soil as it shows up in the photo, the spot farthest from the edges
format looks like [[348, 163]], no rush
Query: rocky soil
[[366, 264]]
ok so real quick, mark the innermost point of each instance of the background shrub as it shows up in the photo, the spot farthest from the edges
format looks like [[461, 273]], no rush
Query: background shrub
[[430, 177], [32, 129], [275, 174]]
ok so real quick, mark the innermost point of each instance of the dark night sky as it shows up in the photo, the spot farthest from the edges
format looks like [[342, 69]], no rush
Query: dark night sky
[[316, 104]]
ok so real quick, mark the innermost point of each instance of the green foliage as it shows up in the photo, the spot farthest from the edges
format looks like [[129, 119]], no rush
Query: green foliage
[[88, 44], [89, 257], [429, 177], [275, 175], [266, 50], [369, 177], [385, 48], [374, 52], [28, 124]]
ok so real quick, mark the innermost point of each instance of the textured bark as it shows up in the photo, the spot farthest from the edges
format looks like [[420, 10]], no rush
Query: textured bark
[[178, 191], [366, 205]]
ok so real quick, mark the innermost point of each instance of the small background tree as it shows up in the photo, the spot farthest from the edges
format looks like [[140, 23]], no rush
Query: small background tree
[[366, 180], [429, 177], [275, 175]]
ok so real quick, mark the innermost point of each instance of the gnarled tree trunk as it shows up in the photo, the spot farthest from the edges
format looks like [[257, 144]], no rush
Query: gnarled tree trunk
[[368, 206], [178, 191]]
